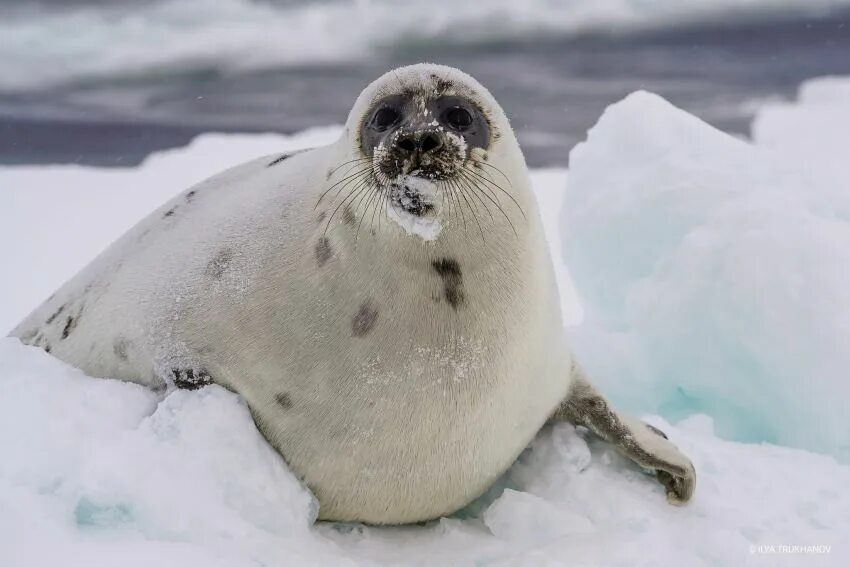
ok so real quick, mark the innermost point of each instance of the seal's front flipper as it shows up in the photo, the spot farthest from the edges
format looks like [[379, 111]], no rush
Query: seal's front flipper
[[642, 443]]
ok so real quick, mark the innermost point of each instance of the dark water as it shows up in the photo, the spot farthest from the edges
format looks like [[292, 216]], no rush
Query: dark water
[[553, 89]]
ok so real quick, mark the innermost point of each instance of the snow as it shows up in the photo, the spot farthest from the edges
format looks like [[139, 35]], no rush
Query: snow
[[713, 280], [715, 273], [427, 227], [104, 472]]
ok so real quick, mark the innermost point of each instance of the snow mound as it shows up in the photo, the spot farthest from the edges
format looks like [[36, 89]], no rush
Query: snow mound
[[99, 472], [89, 463], [714, 274]]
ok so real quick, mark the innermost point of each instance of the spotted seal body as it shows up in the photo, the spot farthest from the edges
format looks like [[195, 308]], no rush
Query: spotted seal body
[[386, 305]]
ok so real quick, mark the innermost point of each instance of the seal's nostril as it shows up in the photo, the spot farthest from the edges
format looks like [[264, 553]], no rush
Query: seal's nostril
[[429, 142], [407, 144]]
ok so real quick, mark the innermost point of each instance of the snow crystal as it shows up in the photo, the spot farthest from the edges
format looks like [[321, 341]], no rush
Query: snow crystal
[[713, 273]]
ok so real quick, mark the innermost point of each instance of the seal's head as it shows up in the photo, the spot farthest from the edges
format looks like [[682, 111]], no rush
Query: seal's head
[[424, 137]]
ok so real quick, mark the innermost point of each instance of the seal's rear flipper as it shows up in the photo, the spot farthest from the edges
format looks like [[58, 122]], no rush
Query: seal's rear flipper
[[642, 443]]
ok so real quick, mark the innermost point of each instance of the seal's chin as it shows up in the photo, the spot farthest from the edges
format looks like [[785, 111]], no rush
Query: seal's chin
[[415, 195]]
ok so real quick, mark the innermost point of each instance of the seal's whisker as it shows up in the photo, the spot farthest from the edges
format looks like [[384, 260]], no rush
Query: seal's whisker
[[372, 198], [497, 186], [473, 211], [463, 217], [366, 196], [379, 192], [456, 202], [354, 166], [445, 196], [351, 185], [347, 178], [492, 200], [342, 183], [359, 187], [386, 195], [476, 193], [343, 164], [490, 165]]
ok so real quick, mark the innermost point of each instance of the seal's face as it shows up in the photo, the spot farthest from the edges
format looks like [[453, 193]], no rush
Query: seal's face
[[419, 142], [428, 147]]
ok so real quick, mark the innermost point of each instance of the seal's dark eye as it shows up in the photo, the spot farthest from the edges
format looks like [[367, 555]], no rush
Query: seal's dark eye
[[385, 117], [458, 118]]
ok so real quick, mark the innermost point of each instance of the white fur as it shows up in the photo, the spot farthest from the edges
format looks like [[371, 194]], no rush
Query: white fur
[[408, 422]]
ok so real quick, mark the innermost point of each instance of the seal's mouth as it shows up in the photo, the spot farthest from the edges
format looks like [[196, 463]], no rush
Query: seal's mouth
[[414, 194]]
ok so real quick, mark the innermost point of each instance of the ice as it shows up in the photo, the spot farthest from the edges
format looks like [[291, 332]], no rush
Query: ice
[[680, 229], [714, 273]]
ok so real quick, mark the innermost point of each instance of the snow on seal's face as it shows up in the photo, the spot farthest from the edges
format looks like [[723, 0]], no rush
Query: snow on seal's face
[[420, 139]]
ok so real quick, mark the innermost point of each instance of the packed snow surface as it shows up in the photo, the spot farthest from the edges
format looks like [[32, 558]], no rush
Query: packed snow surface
[[711, 282]]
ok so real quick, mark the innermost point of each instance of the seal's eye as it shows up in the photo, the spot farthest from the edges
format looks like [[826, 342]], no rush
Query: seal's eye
[[385, 117], [458, 118]]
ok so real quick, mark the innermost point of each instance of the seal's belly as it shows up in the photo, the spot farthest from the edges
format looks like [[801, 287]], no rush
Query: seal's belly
[[416, 446]]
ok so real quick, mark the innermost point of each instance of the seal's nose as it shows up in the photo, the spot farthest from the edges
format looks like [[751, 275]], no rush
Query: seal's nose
[[422, 142]]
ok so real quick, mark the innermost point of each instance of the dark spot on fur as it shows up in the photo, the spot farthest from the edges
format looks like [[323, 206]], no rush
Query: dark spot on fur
[[278, 160], [364, 319], [56, 314], [323, 251], [496, 136], [190, 378], [321, 216], [119, 347], [219, 263], [170, 212], [70, 325], [348, 216], [190, 195], [449, 270], [284, 400], [47, 347], [441, 85]]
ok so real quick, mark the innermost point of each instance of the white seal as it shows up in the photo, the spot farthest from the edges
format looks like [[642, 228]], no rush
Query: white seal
[[386, 305]]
